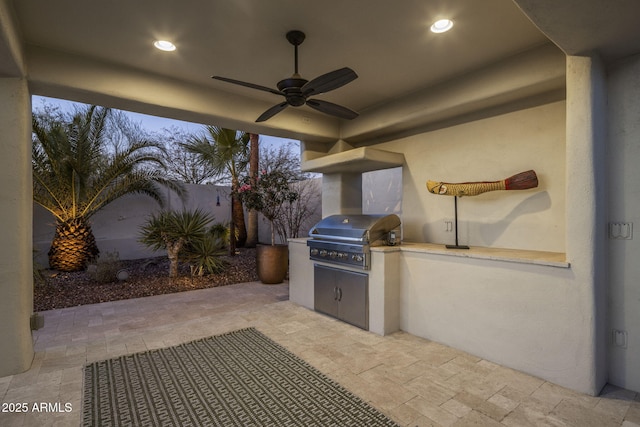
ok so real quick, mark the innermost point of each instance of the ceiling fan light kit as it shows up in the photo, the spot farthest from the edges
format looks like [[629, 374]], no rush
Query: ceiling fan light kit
[[297, 90]]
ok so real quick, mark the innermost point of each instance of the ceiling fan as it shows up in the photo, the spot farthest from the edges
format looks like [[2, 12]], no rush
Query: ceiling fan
[[297, 90]]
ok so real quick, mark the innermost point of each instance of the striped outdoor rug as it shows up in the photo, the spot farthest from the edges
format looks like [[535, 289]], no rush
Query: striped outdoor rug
[[241, 378]]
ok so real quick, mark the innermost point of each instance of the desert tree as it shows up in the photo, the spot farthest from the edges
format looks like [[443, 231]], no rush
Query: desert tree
[[296, 214], [181, 164]]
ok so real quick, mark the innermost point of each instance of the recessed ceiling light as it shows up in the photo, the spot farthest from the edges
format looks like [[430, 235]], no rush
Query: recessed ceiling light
[[164, 45], [442, 26]]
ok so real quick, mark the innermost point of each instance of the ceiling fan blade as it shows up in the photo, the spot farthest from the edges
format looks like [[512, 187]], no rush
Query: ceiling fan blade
[[251, 85], [332, 109], [272, 112], [329, 81]]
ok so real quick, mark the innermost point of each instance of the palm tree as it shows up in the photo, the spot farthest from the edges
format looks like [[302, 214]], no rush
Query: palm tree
[[74, 176], [226, 151], [174, 231], [254, 157]]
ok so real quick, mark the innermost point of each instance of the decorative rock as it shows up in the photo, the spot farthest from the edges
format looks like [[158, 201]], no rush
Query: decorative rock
[[122, 275]]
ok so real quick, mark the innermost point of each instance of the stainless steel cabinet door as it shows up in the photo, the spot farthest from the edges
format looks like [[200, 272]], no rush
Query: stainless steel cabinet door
[[353, 304], [343, 294], [325, 290]]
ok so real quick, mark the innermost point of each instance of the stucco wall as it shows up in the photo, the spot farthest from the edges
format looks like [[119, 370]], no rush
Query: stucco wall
[[117, 226], [16, 277], [518, 315], [624, 207], [510, 143], [538, 319], [541, 319]]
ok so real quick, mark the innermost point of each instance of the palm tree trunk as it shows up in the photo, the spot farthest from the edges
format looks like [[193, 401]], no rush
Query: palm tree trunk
[[252, 228], [173, 252], [232, 232], [238, 220], [237, 215], [73, 246]]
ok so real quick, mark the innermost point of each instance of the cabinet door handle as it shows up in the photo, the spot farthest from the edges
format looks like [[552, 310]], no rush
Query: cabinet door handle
[[335, 293], [339, 294]]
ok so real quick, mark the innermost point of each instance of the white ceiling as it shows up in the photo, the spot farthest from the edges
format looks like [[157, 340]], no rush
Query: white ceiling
[[387, 43]]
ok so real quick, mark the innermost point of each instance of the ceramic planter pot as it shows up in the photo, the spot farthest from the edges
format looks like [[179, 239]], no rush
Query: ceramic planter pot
[[272, 263]]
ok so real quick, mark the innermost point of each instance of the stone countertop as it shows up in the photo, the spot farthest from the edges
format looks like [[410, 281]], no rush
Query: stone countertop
[[551, 259]]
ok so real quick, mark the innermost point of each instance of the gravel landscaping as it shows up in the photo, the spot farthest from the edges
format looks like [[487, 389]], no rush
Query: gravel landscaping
[[147, 277]]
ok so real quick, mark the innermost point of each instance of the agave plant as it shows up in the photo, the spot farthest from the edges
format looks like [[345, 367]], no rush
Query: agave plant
[[204, 255], [74, 176], [174, 231]]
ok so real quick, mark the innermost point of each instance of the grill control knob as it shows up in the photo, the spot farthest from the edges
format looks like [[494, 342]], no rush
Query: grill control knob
[[333, 254], [323, 252], [358, 258], [342, 255], [314, 251]]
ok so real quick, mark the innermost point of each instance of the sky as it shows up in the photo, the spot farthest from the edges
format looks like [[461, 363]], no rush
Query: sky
[[157, 124]]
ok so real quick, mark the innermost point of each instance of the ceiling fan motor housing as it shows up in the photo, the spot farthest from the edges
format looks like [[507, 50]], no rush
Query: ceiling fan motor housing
[[292, 88]]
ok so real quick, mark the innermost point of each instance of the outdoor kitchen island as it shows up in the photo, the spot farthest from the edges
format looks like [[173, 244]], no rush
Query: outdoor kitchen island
[[383, 283], [511, 307], [395, 270]]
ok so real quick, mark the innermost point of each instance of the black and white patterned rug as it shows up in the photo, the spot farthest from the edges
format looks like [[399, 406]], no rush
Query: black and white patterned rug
[[241, 378]]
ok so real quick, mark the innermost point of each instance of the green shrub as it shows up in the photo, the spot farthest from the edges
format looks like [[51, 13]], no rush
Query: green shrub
[[107, 267], [204, 255], [177, 232], [221, 232]]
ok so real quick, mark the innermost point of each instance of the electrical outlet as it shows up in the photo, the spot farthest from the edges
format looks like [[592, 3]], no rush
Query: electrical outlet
[[619, 338], [621, 230], [448, 225]]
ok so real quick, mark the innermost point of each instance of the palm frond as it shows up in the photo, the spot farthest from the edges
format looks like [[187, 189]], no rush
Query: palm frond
[[74, 174], [225, 151]]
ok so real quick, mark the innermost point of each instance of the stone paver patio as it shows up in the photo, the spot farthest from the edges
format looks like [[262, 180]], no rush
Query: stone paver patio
[[414, 381]]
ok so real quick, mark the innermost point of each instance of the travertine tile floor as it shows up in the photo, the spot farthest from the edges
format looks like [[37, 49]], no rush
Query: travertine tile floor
[[412, 380]]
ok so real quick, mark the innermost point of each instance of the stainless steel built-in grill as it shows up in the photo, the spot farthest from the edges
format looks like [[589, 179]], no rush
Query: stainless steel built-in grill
[[346, 239]]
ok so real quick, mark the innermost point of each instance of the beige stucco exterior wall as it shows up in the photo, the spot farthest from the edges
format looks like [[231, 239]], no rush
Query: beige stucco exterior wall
[[117, 226], [510, 143], [16, 276], [585, 233], [624, 207], [531, 318]]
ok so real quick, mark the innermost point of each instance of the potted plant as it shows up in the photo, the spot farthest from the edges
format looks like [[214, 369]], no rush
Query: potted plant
[[267, 195]]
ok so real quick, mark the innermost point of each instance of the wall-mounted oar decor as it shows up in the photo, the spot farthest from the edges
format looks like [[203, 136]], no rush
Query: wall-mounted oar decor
[[521, 181]]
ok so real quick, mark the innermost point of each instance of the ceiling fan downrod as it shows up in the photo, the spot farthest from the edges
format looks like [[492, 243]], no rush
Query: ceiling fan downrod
[[296, 38]]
